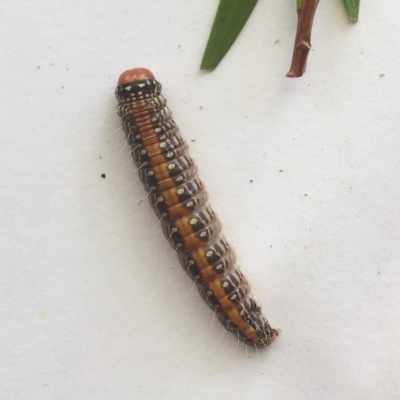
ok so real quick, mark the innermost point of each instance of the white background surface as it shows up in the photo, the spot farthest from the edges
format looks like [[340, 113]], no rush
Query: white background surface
[[93, 306]]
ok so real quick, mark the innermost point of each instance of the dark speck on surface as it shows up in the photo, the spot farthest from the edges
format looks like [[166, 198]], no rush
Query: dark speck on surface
[[103, 176]]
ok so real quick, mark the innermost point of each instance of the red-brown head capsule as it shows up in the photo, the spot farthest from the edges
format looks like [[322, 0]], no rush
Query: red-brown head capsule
[[135, 74]]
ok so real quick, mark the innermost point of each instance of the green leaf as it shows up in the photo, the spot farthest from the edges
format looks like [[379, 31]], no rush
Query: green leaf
[[231, 17], [352, 8], [299, 4]]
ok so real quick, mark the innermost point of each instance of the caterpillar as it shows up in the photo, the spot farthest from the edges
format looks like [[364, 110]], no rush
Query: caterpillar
[[179, 199]]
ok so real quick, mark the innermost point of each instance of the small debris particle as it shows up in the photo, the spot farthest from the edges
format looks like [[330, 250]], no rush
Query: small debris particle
[[179, 46], [42, 315], [277, 41], [103, 175], [100, 157], [38, 67], [281, 170], [382, 75], [305, 195], [192, 140], [251, 180], [62, 87], [201, 107]]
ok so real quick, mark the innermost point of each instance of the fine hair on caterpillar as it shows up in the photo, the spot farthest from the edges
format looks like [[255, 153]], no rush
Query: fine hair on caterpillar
[[180, 201]]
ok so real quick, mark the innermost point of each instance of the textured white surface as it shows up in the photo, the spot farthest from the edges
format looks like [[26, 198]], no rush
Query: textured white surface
[[93, 306]]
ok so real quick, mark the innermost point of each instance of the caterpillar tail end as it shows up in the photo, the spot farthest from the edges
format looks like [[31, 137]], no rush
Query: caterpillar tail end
[[135, 74]]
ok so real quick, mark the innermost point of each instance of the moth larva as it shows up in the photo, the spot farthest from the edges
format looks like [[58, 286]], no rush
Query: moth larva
[[180, 200]]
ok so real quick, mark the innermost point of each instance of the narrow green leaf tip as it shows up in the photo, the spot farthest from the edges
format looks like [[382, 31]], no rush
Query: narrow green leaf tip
[[352, 9], [231, 17]]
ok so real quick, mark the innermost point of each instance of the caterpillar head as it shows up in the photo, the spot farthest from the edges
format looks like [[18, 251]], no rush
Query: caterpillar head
[[135, 74]]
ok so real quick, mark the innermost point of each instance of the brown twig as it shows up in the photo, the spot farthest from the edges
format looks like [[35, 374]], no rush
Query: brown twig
[[302, 45]]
